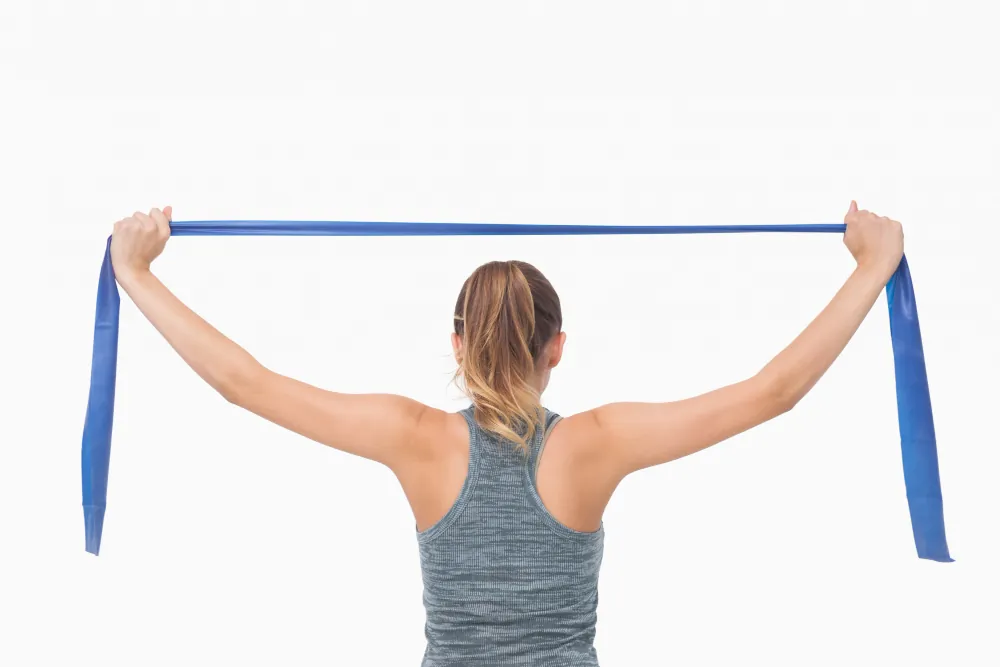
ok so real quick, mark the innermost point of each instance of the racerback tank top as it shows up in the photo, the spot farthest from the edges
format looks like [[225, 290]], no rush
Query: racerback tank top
[[505, 583]]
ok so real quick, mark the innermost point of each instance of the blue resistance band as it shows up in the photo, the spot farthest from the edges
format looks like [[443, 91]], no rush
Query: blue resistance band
[[916, 424]]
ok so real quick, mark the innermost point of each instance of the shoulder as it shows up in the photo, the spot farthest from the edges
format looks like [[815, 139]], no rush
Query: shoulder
[[433, 463], [438, 434], [574, 440], [574, 477]]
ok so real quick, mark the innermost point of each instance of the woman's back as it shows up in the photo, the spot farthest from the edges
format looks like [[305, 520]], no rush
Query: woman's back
[[505, 583]]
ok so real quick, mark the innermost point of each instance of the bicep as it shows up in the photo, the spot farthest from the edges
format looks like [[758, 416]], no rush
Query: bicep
[[640, 435], [379, 427]]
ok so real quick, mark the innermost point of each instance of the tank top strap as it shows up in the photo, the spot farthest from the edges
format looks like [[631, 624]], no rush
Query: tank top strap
[[476, 435], [549, 419]]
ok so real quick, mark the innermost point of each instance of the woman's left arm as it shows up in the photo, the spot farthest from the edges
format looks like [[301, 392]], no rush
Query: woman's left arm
[[380, 427]]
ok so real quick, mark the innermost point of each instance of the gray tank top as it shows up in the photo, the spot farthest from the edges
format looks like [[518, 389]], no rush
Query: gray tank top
[[505, 583]]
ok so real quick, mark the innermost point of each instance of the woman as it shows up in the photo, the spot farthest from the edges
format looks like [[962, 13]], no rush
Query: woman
[[507, 495]]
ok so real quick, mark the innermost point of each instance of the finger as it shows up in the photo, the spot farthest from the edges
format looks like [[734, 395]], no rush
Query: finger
[[144, 220], [162, 224], [852, 211], [169, 212]]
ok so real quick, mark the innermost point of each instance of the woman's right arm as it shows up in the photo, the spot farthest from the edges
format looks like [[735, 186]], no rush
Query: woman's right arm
[[632, 436]]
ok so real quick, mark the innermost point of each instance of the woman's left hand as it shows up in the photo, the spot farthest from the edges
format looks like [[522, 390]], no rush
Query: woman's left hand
[[138, 240]]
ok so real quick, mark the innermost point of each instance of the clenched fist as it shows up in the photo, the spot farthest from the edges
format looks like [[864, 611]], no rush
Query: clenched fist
[[876, 242], [138, 240]]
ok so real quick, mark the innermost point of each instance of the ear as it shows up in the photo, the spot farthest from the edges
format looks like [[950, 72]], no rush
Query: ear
[[456, 347], [556, 349]]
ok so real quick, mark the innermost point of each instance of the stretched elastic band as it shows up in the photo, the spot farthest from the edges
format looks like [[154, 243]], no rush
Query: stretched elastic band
[[916, 425]]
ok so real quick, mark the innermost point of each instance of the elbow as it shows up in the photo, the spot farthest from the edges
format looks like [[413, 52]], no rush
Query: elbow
[[780, 394], [238, 385], [785, 403]]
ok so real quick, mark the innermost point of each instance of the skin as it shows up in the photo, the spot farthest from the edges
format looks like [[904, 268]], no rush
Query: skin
[[586, 456]]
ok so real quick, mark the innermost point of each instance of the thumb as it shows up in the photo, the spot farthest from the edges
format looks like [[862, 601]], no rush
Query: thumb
[[169, 212], [852, 209]]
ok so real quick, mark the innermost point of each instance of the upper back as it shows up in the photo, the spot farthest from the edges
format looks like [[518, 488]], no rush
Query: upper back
[[505, 582]]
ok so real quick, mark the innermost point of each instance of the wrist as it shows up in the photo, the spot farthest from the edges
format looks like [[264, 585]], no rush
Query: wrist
[[880, 272], [130, 275]]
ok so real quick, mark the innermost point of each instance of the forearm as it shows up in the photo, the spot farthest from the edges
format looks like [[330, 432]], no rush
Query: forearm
[[219, 361], [798, 367]]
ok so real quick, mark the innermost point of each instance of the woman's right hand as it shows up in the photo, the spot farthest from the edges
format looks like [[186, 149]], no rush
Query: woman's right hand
[[876, 242]]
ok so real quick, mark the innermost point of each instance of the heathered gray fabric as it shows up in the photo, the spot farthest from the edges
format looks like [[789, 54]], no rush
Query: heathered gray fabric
[[505, 583]]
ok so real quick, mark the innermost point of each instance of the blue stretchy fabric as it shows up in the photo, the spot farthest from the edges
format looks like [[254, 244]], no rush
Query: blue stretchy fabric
[[916, 424]]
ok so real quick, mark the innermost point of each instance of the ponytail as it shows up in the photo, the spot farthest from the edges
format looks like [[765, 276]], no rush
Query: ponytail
[[505, 314]]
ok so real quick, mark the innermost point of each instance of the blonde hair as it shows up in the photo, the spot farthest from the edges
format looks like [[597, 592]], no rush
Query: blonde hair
[[505, 314]]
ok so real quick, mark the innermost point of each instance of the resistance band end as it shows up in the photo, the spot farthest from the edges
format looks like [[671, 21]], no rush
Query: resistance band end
[[938, 553], [927, 514], [93, 522], [940, 559]]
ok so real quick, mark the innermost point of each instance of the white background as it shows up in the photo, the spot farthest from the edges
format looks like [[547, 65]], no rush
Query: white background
[[229, 541]]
